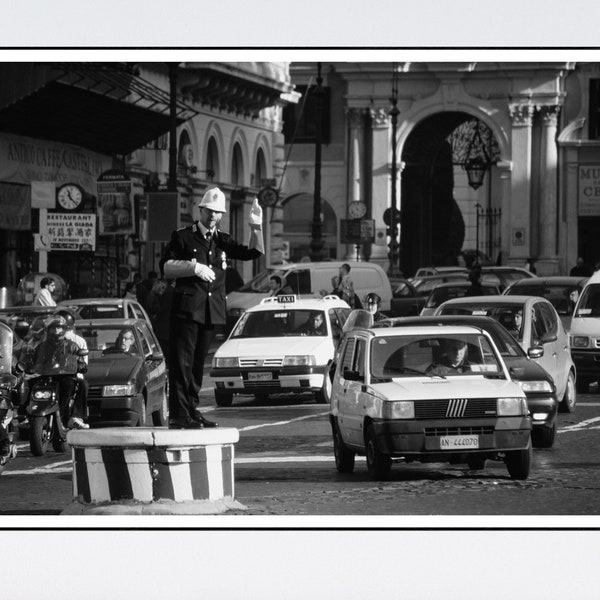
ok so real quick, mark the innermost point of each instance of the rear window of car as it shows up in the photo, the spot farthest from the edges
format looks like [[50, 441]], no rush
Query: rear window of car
[[278, 323]]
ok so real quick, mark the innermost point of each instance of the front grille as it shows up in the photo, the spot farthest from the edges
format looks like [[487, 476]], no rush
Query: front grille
[[261, 362], [95, 393], [455, 408], [438, 431], [257, 384]]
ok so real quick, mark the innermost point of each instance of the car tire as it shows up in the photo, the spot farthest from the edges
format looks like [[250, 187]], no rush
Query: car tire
[[543, 437], [160, 417], [378, 464], [223, 398], [344, 458], [476, 462], [518, 463], [567, 404]]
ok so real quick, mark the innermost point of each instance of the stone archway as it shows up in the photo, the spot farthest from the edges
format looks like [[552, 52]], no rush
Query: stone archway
[[432, 224]]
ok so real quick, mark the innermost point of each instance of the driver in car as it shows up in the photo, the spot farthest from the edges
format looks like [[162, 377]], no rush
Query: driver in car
[[452, 360]]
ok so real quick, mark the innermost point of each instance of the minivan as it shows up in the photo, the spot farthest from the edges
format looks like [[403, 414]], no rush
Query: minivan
[[309, 280]]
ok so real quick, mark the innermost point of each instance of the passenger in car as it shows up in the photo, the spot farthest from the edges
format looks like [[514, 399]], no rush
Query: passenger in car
[[314, 326]]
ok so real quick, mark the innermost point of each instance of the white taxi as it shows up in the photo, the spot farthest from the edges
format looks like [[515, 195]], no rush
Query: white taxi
[[282, 345], [426, 393]]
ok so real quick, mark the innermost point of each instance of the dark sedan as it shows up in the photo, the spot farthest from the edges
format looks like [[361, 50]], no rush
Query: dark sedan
[[128, 382], [535, 381]]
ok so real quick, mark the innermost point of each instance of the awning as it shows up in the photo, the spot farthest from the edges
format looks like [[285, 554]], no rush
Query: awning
[[105, 107]]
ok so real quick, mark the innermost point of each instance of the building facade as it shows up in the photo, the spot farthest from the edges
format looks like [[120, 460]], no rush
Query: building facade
[[534, 126], [139, 145]]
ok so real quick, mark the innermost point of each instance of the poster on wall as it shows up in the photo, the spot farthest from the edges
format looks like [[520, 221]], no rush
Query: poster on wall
[[115, 203], [75, 232], [589, 190]]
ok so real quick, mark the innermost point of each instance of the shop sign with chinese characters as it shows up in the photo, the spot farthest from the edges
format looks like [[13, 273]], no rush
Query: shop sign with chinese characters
[[75, 232]]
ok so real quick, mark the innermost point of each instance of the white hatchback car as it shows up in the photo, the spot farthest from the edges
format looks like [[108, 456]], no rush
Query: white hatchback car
[[282, 345], [399, 393], [540, 333]]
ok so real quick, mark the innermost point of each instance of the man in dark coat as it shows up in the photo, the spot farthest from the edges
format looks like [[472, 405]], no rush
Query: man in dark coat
[[196, 257]]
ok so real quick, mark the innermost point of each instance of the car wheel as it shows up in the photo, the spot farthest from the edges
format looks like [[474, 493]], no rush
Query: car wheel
[[543, 437], [223, 398], [582, 386], [476, 462], [142, 418], [344, 458], [160, 417], [569, 400], [518, 463], [378, 464]]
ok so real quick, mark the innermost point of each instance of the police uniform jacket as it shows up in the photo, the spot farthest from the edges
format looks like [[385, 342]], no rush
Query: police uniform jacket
[[193, 297]]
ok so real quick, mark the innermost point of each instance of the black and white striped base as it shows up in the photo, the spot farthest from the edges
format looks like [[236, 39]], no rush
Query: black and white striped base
[[152, 464]]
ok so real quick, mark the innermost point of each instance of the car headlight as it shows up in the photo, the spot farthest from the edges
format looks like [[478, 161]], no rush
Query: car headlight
[[508, 407], [119, 390], [300, 360], [398, 410], [42, 394], [536, 386], [226, 362], [580, 341]]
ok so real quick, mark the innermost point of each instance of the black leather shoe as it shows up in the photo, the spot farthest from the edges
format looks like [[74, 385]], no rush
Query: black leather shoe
[[204, 422], [185, 424]]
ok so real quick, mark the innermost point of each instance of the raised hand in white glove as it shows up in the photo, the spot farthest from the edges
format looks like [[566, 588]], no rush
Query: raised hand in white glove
[[204, 272], [256, 215]]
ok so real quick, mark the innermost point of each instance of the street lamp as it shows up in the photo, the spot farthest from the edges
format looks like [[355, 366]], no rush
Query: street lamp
[[477, 161], [394, 219], [316, 243]]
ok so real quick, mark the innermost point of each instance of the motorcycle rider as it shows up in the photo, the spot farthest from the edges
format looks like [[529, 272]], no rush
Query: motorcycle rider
[[54, 349]]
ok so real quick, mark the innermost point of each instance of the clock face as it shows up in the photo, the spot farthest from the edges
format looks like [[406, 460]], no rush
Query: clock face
[[70, 196], [357, 209]]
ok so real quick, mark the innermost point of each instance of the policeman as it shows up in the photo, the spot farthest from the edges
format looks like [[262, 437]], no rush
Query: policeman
[[196, 257]]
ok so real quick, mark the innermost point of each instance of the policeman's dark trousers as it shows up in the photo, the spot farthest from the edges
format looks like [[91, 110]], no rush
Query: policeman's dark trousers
[[189, 343]]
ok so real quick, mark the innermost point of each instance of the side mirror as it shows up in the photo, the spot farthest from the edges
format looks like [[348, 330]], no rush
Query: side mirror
[[535, 352], [352, 375], [156, 356], [551, 337]]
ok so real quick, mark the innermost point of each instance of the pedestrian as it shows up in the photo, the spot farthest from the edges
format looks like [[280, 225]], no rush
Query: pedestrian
[[580, 269], [345, 287], [44, 296], [530, 265], [154, 297], [278, 286], [475, 289], [129, 291], [196, 257]]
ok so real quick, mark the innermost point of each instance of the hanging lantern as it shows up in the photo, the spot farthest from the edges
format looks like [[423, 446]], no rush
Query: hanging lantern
[[475, 168]]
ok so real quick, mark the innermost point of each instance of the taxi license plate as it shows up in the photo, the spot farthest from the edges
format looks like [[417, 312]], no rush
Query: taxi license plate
[[459, 442], [260, 376]]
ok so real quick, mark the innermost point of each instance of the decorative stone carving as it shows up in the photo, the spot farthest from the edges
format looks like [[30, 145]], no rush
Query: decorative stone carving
[[380, 117], [521, 114], [356, 117], [549, 115]]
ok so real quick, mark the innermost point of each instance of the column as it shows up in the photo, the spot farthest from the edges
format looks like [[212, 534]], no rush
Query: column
[[520, 198], [356, 125], [380, 185], [548, 260]]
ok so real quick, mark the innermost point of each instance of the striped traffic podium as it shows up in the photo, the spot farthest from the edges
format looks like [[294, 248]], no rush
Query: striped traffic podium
[[153, 470]]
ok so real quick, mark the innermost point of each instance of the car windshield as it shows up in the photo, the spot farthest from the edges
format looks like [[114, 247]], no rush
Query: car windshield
[[281, 323], [259, 284], [508, 315], [109, 340], [433, 355], [558, 295], [589, 303]]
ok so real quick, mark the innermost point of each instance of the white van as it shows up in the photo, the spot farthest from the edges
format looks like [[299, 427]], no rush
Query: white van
[[584, 334], [307, 280]]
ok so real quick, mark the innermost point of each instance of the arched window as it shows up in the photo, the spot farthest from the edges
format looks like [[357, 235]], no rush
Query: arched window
[[260, 169], [212, 160], [185, 154], [237, 166]]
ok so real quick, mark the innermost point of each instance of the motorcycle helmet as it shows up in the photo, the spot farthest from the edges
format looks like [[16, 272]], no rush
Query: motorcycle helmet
[[56, 328], [372, 298], [37, 327], [68, 316]]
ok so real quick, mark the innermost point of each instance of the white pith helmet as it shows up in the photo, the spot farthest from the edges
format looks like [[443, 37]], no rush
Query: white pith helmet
[[214, 199]]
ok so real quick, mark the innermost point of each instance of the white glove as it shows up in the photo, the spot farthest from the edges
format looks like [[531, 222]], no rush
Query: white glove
[[256, 216], [204, 272]]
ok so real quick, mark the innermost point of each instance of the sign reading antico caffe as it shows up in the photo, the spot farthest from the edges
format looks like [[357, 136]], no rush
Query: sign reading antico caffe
[[589, 190]]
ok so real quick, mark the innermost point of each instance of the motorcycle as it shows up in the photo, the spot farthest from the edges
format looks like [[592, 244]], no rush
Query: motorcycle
[[46, 424], [8, 389]]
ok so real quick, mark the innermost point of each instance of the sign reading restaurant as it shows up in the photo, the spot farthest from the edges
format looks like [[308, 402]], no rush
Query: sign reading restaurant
[[589, 190], [69, 231]]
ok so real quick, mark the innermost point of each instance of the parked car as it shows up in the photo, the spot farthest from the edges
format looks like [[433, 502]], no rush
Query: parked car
[[442, 270], [535, 381], [386, 402], [503, 276], [556, 289], [457, 289], [541, 334], [124, 388], [272, 349], [106, 308]]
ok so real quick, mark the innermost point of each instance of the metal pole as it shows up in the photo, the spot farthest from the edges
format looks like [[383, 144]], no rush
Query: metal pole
[[172, 182], [394, 246], [316, 244], [477, 207]]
